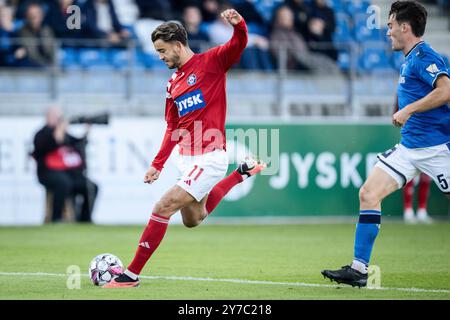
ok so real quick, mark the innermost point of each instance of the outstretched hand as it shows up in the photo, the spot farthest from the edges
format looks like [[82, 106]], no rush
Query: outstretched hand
[[232, 16], [151, 175]]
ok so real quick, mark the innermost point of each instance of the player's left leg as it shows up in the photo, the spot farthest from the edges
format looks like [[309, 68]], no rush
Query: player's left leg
[[378, 185], [194, 213]]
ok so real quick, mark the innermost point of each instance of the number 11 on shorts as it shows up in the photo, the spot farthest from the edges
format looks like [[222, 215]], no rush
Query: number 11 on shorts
[[196, 172]]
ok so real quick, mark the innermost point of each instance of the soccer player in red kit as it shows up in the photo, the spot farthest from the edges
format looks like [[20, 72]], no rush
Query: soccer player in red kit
[[195, 115]]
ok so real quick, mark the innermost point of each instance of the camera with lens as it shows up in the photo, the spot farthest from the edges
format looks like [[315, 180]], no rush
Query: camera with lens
[[102, 119]]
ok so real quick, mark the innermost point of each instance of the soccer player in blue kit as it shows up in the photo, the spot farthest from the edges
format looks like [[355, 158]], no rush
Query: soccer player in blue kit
[[424, 118]]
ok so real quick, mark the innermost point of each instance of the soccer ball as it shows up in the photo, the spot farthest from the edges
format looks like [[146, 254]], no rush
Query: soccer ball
[[104, 267]]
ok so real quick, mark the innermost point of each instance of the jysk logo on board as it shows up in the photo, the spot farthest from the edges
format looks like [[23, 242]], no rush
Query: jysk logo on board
[[189, 102]]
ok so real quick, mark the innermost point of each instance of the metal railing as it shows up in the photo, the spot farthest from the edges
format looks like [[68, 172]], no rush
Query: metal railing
[[285, 86]]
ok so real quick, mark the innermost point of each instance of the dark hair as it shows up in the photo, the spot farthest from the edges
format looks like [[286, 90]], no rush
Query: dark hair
[[411, 12], [170, 31]]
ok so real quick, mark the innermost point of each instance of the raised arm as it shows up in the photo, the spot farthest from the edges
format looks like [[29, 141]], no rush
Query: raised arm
[[230, 52]]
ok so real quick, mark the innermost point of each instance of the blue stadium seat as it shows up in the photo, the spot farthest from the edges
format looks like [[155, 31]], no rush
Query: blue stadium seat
[[338, 5], [119, 58], [257, 29], [343, 60], [131, 30], [204, 26], [18, 24], [374, 57], [397, 59], [94, 59], [343, 30], [148, 61], [68, 58], [357, 6]]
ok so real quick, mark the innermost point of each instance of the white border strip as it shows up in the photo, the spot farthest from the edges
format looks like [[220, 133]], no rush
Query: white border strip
[[242, 281]]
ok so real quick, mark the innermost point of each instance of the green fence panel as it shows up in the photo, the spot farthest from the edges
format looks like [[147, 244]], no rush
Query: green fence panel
[[321, 168]]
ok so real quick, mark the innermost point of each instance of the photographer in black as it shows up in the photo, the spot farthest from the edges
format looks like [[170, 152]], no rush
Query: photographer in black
[[61, 166]]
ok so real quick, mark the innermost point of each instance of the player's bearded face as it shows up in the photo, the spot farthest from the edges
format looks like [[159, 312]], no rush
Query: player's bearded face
[[169, 52]]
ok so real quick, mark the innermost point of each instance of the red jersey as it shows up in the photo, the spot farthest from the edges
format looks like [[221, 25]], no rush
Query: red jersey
[[196, 100]]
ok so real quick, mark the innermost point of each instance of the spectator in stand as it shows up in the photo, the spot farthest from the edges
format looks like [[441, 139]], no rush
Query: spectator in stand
[[36, 46], [211, 9], [321, 25], [302, 12], [101, 22], [256, 55], [56, 18], [299, 57], [61, 166], [192, 18], [155, 9], [248, 10], [21, 7], [178, 7], [6, 33]]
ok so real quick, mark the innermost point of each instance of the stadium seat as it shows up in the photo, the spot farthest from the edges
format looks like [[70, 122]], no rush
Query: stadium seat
[[374, 57], [343, 28], [338, 5], [343, 59], [132, 32], [68, 58], [148, 61], [119, 58], [257, 29], [355, 7], [94, 59], [397, 59], [204, 27]]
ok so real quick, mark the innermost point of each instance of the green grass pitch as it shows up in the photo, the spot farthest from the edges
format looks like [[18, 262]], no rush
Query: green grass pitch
[[265, 261]]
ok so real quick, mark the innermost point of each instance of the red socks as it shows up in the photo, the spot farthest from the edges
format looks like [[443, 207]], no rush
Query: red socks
[[221, 189], [157, 226], [424, 188], [150, 240], [422, 196], [408, 192]]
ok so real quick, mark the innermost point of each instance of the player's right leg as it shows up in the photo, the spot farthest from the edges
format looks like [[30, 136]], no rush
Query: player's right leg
[[212, 187], [249, 167], [392, 172], [173, 200]]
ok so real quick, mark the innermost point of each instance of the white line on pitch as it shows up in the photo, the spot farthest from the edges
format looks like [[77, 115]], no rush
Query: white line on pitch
[[262, 282]]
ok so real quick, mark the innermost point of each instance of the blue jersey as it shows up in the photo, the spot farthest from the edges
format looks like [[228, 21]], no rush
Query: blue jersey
[[418, 75]]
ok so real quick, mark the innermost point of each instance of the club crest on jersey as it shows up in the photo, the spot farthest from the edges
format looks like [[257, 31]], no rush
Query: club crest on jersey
[[192, 79], [189, 102]]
